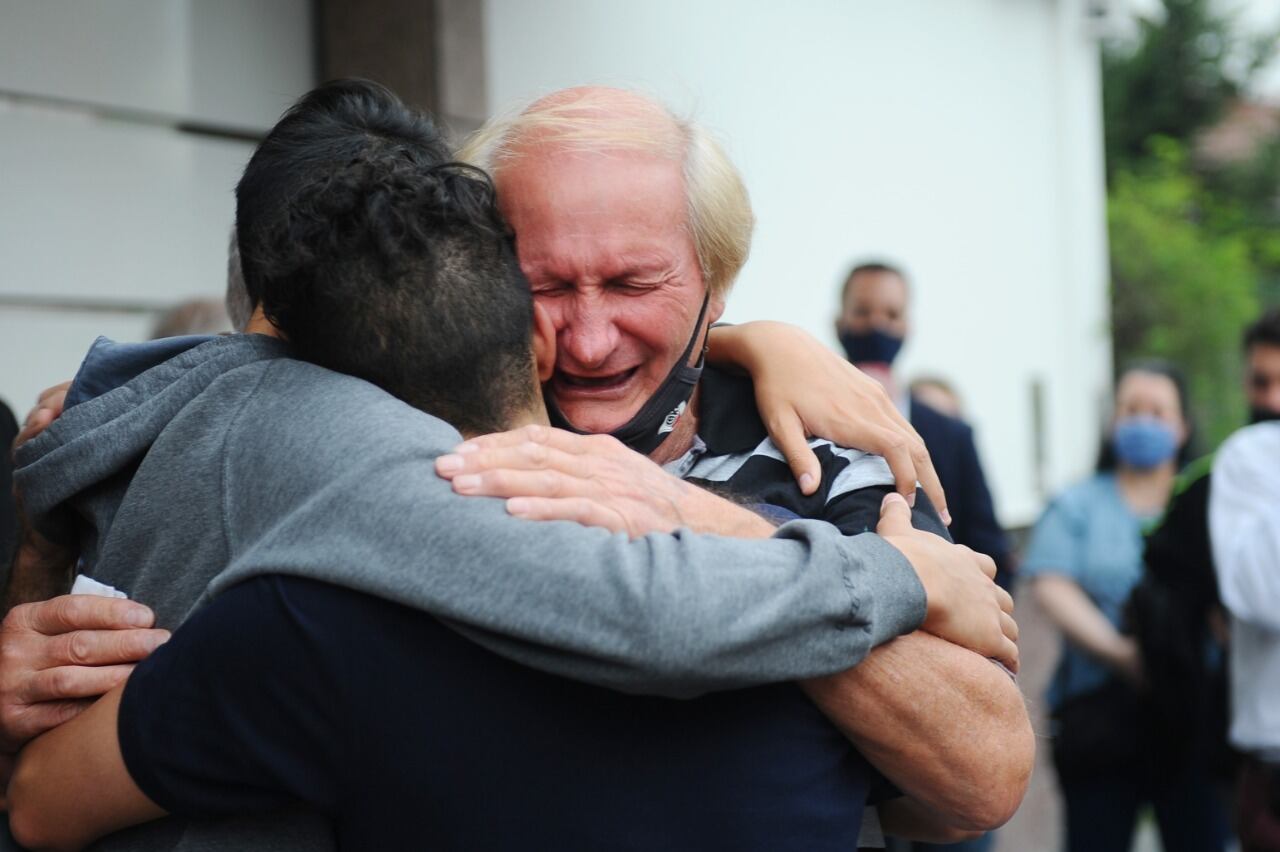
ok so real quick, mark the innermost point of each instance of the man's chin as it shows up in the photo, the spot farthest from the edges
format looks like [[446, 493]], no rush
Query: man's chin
[[595, 418]]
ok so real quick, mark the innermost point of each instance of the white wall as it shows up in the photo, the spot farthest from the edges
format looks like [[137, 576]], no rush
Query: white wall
[[108, 211], [960, 138]]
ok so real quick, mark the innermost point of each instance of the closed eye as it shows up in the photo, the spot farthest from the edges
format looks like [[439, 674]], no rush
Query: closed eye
[[550, 288], [636, 285]]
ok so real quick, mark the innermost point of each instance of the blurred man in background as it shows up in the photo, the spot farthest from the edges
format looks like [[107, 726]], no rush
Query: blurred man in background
[[872, 326]]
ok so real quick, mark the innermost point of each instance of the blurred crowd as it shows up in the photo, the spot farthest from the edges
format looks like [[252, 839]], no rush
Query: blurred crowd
[[232, 480], [1148, 574]]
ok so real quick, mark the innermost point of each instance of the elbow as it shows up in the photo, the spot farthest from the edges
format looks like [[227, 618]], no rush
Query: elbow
[[997, 784], [950, 834], [994, 807]]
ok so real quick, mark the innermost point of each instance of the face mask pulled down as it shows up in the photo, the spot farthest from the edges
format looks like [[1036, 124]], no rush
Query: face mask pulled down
[[658, 417]]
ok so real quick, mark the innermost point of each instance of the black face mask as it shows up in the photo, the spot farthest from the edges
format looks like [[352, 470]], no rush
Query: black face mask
[[1262, 415], [870, 347], [657, 418]]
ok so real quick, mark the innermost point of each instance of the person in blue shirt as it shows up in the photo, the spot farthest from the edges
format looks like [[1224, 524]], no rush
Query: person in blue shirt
[[1084, 558]]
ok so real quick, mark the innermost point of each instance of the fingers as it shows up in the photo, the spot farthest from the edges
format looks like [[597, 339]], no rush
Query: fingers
[[580, 510], [558, 439], [73, 682], [1008, 655], [521, 483], [54, 400], [898, 455], [37, 421], [1005, 600], [38, 718], [787, 432], [895, 516], [82, 612], [1008, 627], [53, 397], [985, 563], [101, 647], [48, 408], [929, 481], [524, 456]]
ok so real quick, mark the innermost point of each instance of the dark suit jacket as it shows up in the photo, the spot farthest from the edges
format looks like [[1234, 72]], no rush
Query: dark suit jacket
[[955, 458]]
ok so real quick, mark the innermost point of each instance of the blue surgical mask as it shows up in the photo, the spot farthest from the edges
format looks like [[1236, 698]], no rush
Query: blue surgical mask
[[1144, 442], [870, 347]]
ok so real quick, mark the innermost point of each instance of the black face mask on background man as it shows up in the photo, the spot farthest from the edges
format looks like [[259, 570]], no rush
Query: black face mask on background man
[[1262, 415], [870, 347]]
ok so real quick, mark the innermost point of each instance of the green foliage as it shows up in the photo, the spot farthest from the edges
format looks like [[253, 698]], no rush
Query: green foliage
[[1183, 286], [1174, 82], [1195, 247]]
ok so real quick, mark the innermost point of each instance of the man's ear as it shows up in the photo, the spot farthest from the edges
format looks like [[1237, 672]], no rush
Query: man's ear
[[715, 308], [544, 342], [259, 324]]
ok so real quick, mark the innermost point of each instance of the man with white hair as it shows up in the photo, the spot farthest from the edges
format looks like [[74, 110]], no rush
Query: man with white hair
[[631, 226]]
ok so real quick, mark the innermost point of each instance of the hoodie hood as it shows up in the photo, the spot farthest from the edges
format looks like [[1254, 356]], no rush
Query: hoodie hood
[[108, 365], [73, 475]]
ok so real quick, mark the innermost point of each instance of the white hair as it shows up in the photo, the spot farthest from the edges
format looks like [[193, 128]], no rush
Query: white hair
[[604, 119]]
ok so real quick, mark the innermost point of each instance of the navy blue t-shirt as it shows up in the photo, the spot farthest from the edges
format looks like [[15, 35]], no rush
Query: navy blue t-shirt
[[287, 691]]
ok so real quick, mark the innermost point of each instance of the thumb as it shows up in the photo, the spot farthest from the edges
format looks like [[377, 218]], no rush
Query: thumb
[[895, 515]]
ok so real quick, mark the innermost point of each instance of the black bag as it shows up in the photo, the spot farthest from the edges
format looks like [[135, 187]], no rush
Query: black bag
[[1098, 734]]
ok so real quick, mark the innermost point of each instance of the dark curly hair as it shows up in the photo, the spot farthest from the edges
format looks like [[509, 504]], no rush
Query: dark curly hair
[[1265, 330], [377, 256]]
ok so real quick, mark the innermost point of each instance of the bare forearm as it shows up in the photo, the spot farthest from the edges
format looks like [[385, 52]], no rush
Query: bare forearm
[[946, 726], [1079, 618], [729, 348], [71, 786]]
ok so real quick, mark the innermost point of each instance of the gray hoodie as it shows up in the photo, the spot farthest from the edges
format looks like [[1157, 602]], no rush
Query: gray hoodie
[[231, 459]]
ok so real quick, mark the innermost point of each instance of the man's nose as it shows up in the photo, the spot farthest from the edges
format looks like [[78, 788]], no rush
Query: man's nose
[[589, 335]]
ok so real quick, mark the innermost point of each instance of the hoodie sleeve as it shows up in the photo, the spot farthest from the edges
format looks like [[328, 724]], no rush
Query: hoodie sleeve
[[676, 615]]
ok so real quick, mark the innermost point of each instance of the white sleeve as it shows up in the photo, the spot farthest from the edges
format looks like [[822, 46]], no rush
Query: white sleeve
[[1244, 524]]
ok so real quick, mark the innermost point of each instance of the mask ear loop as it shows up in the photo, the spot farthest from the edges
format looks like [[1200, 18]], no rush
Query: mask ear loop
[[706, 337]]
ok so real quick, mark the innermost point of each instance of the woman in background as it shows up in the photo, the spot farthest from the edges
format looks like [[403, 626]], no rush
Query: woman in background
[[1084, 558]]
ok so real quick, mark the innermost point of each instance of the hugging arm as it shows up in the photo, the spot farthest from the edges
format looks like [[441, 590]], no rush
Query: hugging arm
[[58, 652], [904, 709], [946, 725], [803, 388], [71, 786], [243, 712], [671, 614]]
